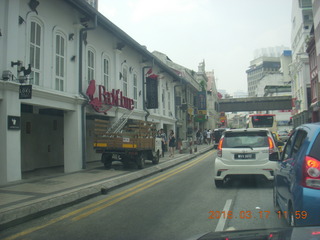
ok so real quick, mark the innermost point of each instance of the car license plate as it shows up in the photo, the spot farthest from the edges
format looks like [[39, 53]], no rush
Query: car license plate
[[245, 156]]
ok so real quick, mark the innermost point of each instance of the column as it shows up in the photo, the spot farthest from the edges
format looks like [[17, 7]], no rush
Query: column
[[73, 140], [10, 138]]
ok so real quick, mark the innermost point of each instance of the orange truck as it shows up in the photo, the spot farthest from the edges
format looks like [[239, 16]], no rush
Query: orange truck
[[136, 141]]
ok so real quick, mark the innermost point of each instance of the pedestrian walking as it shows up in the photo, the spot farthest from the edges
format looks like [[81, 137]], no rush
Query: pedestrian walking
[[204, 135], [201, 138], [198, 137], [163, 141], [159, 133], [208, 137], [172, 143]]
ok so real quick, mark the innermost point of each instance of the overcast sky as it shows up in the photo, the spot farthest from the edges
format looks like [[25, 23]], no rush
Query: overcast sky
[[224, 33]]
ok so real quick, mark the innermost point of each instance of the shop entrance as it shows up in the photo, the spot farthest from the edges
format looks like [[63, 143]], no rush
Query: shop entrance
[[42, 141]]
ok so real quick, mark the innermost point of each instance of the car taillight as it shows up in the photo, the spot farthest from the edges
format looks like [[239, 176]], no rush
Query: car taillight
[[271, 145], [311, 173], [219, 148]]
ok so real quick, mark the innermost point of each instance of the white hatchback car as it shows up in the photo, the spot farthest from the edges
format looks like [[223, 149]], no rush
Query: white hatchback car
[[245, 152]]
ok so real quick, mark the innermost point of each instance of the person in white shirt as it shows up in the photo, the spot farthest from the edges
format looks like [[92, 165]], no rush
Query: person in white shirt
[[208, 137]]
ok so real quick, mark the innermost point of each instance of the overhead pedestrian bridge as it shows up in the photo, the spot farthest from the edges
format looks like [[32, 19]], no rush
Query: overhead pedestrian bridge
[[255, 104]]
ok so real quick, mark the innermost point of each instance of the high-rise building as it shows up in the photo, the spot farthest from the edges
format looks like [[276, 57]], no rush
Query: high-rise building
[[259, 68]]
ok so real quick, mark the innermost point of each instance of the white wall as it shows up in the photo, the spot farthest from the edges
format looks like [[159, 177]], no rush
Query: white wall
[[270, 79], [10, 163]]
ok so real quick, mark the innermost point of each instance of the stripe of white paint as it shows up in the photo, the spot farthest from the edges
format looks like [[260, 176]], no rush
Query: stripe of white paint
[[222, 220]]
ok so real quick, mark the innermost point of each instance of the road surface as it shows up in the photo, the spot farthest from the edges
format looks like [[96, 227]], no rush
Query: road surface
[[179, 203]]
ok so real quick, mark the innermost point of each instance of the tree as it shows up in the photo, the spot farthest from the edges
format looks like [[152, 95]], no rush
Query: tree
[[203, 85]]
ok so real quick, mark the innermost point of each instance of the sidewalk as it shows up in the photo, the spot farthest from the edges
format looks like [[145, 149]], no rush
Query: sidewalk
[[41, 193]]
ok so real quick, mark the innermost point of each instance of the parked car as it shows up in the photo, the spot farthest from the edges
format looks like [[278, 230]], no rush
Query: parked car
[[283, 135], [296, 191], [245, 152]]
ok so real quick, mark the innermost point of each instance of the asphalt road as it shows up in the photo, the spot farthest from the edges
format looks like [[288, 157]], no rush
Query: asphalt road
[[179, 203]]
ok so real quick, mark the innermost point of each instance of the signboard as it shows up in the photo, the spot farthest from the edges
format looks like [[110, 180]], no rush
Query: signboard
[[106, 100], [152, 93], [202, 112], [25, 91], [13, 123], [223, 119], [200, 118], [190, 111]]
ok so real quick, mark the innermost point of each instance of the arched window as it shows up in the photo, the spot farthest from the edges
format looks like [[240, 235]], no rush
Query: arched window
[[106, 71], [91, 65], [135, 90], [163, 101], [60, 61], [125, 82], [35, 49]]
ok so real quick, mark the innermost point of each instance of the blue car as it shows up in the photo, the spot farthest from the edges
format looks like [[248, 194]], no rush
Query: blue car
[[296, 192]]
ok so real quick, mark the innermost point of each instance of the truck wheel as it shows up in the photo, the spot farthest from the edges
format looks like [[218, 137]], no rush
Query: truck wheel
[[126, 162], [107, 160], [141, 161], [107, 165], [156, 158]]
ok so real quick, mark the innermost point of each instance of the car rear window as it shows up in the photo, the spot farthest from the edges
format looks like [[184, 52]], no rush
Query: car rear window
[[245, 139], [218, 133], [315, 150]]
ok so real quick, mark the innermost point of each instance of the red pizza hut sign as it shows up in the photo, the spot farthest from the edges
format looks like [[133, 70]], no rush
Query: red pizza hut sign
[[106, 100]]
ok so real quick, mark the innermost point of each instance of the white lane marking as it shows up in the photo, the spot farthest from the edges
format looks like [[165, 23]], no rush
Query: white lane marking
[[222, 220]]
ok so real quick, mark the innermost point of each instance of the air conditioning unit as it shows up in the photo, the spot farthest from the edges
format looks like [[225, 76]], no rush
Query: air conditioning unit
[[6, 75]]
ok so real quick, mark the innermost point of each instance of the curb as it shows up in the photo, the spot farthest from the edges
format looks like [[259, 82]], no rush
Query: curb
[[21, 212]]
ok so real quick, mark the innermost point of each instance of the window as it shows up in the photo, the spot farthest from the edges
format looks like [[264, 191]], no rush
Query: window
[[305, 3], [91, 65], [315, 150], [60, 63], [35, 52], [287, 150], [301, 135], [135, 90], [163, 102], [169, 103], [244, 139], [106, 72], [125, 82]]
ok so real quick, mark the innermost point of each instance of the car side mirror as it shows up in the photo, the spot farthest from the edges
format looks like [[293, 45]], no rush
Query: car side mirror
[[274, 156]]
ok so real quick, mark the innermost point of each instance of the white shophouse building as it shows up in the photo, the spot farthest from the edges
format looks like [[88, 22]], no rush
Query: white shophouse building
[[68, 43], [302, 21]]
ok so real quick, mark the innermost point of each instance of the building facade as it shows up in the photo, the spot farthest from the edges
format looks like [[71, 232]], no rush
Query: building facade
[[63, 65], [313, 50], [302, 21], [258, 69], [213, 104], [269, 76], [187, 90]]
